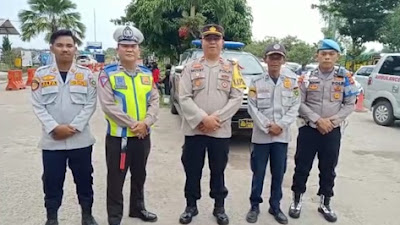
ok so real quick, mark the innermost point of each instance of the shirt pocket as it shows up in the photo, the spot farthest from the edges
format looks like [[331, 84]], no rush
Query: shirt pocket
[[287, 98], [224, 82], [263, 100], [78, 94], [314, 91], [49, 95], [198, 81]]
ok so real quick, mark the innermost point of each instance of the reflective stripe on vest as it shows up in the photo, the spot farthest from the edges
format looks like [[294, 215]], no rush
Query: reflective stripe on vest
[[131, 95]]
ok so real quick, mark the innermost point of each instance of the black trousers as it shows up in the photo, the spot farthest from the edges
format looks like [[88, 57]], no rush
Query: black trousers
[[136, 159], [54, 168], [193, 156], [311, 142]]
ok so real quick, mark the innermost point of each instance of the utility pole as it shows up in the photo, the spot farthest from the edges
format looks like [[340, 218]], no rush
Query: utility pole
[[94, 15]]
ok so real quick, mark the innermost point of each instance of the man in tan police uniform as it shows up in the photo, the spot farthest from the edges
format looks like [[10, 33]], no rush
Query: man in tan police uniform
[[209, 95]]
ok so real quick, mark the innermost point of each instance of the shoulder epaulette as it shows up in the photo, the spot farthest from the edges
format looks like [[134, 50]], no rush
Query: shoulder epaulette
[[42, 68], [144, 69], [110, 68]]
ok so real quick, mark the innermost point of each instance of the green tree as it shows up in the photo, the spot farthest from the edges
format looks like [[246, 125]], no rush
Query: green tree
[[302, 53], [360, 20], [289, 42], [109, 54], [6, 45], [8, 54], [49, 16], [160, 21], [390, 32], [257, 48], [297, 50]]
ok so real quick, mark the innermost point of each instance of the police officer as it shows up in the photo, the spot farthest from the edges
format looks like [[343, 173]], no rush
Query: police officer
[[327, 99], [209, 95], [64, 99], [130, 101], [273, 105]]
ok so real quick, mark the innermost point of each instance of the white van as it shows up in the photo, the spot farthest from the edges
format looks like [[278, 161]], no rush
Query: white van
[[382, 93]]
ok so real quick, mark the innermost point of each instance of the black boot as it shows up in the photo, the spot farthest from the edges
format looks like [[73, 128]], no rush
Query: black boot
[[187, 216], [222, 218], [295, 207], [51, 222], [143, 214], [325, 209], [252, 215], [51, 218], [87, 218], [278, 215]]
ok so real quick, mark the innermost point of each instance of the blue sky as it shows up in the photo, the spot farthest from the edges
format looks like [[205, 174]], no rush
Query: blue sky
[[277, 18]]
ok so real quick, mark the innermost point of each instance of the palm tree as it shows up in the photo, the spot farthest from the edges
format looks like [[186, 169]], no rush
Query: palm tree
[[49, 16], [192, 19]]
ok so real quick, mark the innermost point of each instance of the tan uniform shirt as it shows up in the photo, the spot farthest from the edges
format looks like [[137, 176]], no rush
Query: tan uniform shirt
[[206, 89], [330, 95]]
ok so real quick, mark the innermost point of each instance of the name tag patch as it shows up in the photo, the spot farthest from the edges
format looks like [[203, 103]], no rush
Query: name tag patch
[[78, 83], [49, 83]]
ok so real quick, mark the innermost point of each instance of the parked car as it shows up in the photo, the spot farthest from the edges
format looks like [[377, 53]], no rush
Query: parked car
[[382, 94], [85, 60], [292, 66], [251, 70]]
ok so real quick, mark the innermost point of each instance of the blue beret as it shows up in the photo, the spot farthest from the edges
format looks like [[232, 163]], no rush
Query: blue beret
[[329, 44]]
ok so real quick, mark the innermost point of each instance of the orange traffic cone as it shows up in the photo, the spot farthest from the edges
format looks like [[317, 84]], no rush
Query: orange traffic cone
[[360, 103]]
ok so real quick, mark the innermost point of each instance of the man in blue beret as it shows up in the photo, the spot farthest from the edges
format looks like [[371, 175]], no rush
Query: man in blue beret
[[328, 95]]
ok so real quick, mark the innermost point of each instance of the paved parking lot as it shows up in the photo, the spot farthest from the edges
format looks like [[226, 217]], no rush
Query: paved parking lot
[[367, 187]]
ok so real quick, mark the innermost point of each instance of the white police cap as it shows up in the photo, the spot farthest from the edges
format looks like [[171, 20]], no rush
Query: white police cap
[[128, 35]]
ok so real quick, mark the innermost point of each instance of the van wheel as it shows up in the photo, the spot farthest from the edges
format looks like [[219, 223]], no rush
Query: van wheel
[[383, 113]]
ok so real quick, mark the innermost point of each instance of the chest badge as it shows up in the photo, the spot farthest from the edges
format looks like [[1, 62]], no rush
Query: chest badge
[[120, 82], [48, 77], [287, 83], [198, 83], [313, 87], [79, 76], [225, 84], [145, 80]]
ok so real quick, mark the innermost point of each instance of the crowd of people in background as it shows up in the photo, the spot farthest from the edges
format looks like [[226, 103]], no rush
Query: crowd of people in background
[[162, 83]]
